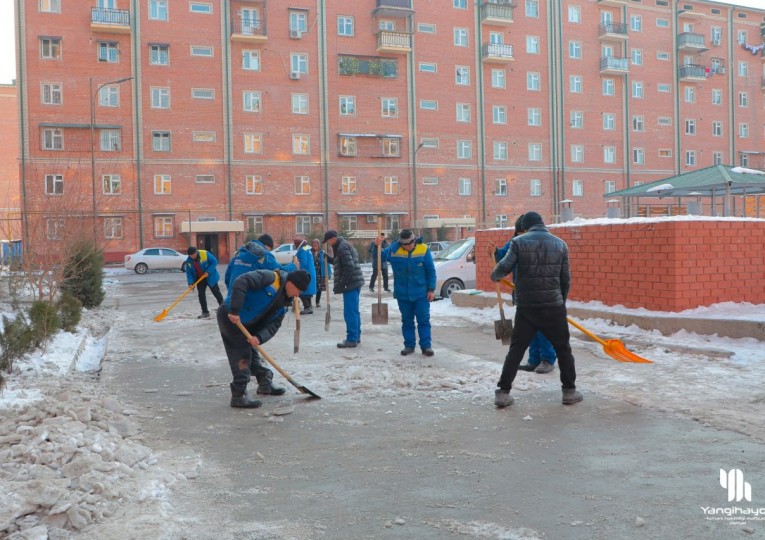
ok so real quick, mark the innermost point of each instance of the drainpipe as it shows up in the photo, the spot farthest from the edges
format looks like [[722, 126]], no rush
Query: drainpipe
[[562, 105], [227, 115], [324, 123], [481, 135], [137, 138], [677, 64], [626, 131], [412, 110], [553, 97], [729, 74], [22, 117]]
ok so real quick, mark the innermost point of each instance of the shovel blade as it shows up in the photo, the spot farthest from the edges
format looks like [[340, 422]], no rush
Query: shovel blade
[[161, 315], [327, 318], [296, 347], [503, 330], [616, 350], [380, 313]]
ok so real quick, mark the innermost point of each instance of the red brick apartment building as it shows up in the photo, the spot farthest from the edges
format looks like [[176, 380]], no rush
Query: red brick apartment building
[[150, 122], [10, 213]]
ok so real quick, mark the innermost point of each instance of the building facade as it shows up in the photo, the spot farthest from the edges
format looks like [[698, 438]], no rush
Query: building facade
[[150, 122]]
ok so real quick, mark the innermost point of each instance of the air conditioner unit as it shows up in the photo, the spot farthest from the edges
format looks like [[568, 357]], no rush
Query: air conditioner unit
[[296, 34], [318, 219], [295, 75], [371, 219]]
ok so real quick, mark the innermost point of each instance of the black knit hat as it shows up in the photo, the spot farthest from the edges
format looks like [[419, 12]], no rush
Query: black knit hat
[[329, 235], [266, 240], [406, 236], [300, 278], [191, 250], [530, 219]]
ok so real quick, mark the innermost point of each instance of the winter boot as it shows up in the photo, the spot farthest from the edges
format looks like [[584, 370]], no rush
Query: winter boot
[[545, 367], [265, 387], [427, 351], [502, 398], [407, 351], [240, 400], [527, 367], [571, 396], [204, 315]]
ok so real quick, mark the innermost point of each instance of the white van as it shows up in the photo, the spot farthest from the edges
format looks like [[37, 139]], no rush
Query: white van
[[455, 267]]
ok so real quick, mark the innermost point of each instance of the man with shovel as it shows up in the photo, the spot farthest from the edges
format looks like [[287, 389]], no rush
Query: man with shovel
[[542, 281], [259, 300], [414, 286], [198, 263]]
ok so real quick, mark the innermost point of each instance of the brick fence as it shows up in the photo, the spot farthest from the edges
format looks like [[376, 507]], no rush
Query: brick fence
[[660, 264]]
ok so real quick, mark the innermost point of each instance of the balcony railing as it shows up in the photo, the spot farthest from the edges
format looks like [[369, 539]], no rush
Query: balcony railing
[[397, 4], [612, 29], [394, 41], [497, 51], [497, 12], [248, 27], [692, 72], [691, 42], [614, 66], [113, 17]]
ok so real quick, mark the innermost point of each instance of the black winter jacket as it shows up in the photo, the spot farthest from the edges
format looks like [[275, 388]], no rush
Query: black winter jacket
[[348, 274], [542, 275]]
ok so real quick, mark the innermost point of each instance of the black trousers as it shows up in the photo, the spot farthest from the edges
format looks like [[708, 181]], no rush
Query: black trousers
[[242, 358], [551, 321], [374, 277], [202, 289]]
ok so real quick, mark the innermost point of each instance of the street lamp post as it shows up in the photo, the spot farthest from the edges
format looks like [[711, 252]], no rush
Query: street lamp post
[[414, 185], [93, 145]]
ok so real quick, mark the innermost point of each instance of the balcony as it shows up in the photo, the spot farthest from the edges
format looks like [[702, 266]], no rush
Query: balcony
[[611, 31], [614, 66], [110, 20], [497, 12], [370, 66], [393, 42], [613, 3], [393, 8], [692, 72], [248, 30], [497, 52], [690, 42]]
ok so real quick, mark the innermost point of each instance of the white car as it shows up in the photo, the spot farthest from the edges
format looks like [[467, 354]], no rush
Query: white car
[[455, 267], [155, 259], [284, 253]]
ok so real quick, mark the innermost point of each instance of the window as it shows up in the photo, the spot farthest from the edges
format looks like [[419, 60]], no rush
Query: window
[[532, 9], [637, 57], [638, 156], [203, 136], [500, 151], [251, 101], [498, 78], [574, 14], [112, 228], [663, 88], [429, 105], [302, 185], [690, 158], [50, 6], [163, 226], [575, 84], [109, 96], [198, 7], [609, 121], [390, 147], [665, 152], [743, 130], [253, 185], [464, 150], [460, 4], [430, 180], [532, 44], [159, 55], [387, 25], [52, 94], [428, 67], [499, 114], [577, 153], [251, 60], [462, 75], [108, 51], [609, 154], [608, 87], [689, 94], [637, 89], [160, 141], [717, 128], [534, 116], [429, 143], [500, 187], [111, 184], [160, 98], [460, 37], [664, 56], [389, 107], [716, 96], [662, 23], [391, 185], [577, 188], [301, 144], [204, 179], [347, 146], [577, 119], [532, 81], [344, 25], [743, 69], [535, 152], [348, 185], [111, 140], [741, 37], [636, 23], [535, 188], [463, 112], [253, 143], [743, 99], [54, 184], [347, 106], [500, 220], [52, 139], [203, 93], [610, 186], [199, 50], [575, 49], [690, 127], [717, 158], [664, 121], [637, 123], [299, 103], [54, 228], [743, 160], [464, 186], [426, 28], [349, 223], [162, 184], [158, 10], [50, 48]]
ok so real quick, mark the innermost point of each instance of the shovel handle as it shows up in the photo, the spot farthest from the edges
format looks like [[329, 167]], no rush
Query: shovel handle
[[262, 352], [501, 303], [181, 297]]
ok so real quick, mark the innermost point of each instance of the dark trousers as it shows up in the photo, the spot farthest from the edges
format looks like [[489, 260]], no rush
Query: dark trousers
[[306, 299], [374, 277], [551, 321], [242, 358], [318, 297], [201, 290]]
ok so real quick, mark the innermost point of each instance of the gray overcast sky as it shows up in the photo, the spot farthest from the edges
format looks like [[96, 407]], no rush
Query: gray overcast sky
[[8, 45]]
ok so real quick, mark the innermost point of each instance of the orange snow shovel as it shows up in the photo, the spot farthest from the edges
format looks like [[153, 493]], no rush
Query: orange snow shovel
[[612, 347], [187, 291], [503, 329], [271, 361]]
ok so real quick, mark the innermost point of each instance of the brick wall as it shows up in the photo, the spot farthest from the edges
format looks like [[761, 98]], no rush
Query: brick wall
[[661, 265]]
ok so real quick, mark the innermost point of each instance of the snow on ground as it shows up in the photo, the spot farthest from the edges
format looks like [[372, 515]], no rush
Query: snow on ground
[[71, 456]]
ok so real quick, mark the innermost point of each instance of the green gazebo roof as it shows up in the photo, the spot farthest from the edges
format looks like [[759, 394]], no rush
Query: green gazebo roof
[[709, 182]]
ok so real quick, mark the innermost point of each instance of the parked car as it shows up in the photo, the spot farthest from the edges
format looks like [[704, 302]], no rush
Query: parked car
[[284, 253], [436, 247], [155, 259], [455, 267]]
